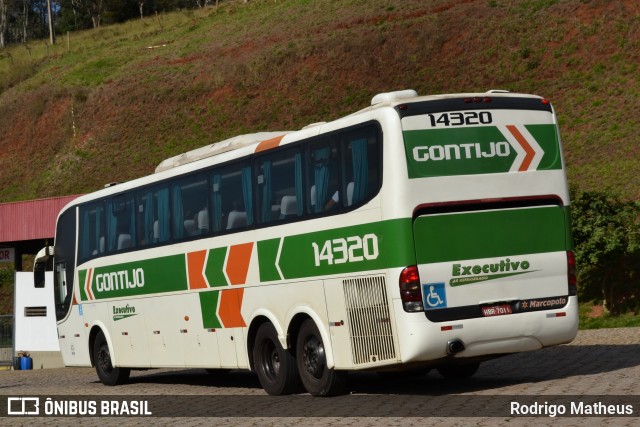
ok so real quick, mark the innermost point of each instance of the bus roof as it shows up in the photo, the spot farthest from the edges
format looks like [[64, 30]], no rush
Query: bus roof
[[263, 140], [217, 148], [381, 100], [392, 99]]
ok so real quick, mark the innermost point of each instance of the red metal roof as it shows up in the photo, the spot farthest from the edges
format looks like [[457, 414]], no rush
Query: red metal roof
[[31, 219]]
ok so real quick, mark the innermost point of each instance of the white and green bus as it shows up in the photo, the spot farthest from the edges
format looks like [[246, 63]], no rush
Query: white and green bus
[[421, 232]]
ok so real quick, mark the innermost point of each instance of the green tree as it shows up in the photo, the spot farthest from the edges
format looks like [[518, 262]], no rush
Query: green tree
[[6, 290], [606, 231]]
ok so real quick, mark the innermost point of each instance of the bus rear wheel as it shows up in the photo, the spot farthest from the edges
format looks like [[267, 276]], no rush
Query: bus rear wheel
[[102, 360], [316, 377], [275, 366]]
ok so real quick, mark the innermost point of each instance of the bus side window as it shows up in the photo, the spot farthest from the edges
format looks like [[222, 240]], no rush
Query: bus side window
[[323, 176], [279, 179], [153, 216], [120, 222], [189, 198], [92, 223], [232, 198], [144, 220], [161, 215]]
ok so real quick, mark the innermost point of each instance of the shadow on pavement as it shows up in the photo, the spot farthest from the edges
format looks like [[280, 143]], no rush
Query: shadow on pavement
[[523, 368]]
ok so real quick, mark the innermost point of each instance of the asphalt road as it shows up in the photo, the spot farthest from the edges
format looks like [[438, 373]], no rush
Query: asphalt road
[[598, 373]]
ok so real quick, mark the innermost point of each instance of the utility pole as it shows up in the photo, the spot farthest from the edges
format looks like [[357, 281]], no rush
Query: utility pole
[[52, 33]]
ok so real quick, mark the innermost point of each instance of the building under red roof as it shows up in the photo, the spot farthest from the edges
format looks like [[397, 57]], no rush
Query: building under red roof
[[27, 226]]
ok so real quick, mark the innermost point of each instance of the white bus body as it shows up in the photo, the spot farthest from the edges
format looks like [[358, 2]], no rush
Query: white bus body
[[419, 232]]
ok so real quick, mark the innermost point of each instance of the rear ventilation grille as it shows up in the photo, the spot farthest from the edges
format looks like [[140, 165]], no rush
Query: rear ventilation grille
[[369, 320], [35, 311]]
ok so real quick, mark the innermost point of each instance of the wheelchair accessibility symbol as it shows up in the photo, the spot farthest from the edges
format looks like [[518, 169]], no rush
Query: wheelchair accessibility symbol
[[435, 295]]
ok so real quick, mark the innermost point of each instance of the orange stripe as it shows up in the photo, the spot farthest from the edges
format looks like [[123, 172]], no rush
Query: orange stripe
[[195, 266], [230, 304], [267, 144], [530, 152], [238, 263]]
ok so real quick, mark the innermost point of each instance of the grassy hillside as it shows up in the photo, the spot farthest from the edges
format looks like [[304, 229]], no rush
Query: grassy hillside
[[113, 102]]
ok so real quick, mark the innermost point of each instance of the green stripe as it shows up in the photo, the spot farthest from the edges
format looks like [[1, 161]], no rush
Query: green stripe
[[483, 135], [268, 250], [297, 258], [438, 238], [452, 237], [209, 306], [547, 138], [164, 274], [214, 271], [389, 244], [82, 277], [472, 150]]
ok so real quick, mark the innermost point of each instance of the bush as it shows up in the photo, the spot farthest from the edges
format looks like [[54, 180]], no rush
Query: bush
[[6, 290], [606, 232]]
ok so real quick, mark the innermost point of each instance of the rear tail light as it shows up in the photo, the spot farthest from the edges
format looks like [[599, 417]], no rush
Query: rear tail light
[[571, 273], [410, 289]]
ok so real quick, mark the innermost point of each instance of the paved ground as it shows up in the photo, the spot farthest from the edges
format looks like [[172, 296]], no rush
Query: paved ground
[[599, 366]]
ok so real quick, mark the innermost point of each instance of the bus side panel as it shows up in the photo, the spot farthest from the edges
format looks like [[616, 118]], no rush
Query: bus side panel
[[362, 321], [95, 315], [284, 302], [162, 327], [201, 344], [226, 343], [338, 324], [126, 321]]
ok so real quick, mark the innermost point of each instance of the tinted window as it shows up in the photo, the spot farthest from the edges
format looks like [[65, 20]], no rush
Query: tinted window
[[92, 230], [153, 216], [361, 176], [64, 261], [189, 207], [323, 176], [120, 223], [279, 186], [232, 197]]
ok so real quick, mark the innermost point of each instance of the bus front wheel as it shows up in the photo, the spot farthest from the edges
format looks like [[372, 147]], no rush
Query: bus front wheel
[[275, 366], [102, 360], [316, 377]]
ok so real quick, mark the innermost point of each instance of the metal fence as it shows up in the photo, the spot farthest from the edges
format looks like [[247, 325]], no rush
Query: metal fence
[[6, 340]]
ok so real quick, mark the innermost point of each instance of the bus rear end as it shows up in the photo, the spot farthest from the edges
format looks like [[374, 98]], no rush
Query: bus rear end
[[494, 270]]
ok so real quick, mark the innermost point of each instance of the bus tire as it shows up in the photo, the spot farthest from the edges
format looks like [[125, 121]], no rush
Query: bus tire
[[459, 371], [275, 366], [102, 360], [316, 377]]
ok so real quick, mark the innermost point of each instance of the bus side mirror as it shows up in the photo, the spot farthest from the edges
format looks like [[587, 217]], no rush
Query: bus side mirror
[[38, 274]]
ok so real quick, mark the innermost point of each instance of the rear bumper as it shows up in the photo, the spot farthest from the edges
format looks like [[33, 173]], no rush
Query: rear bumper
[[422, 340]]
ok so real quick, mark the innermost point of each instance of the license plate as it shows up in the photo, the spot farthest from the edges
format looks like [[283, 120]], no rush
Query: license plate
[[496, 310]]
